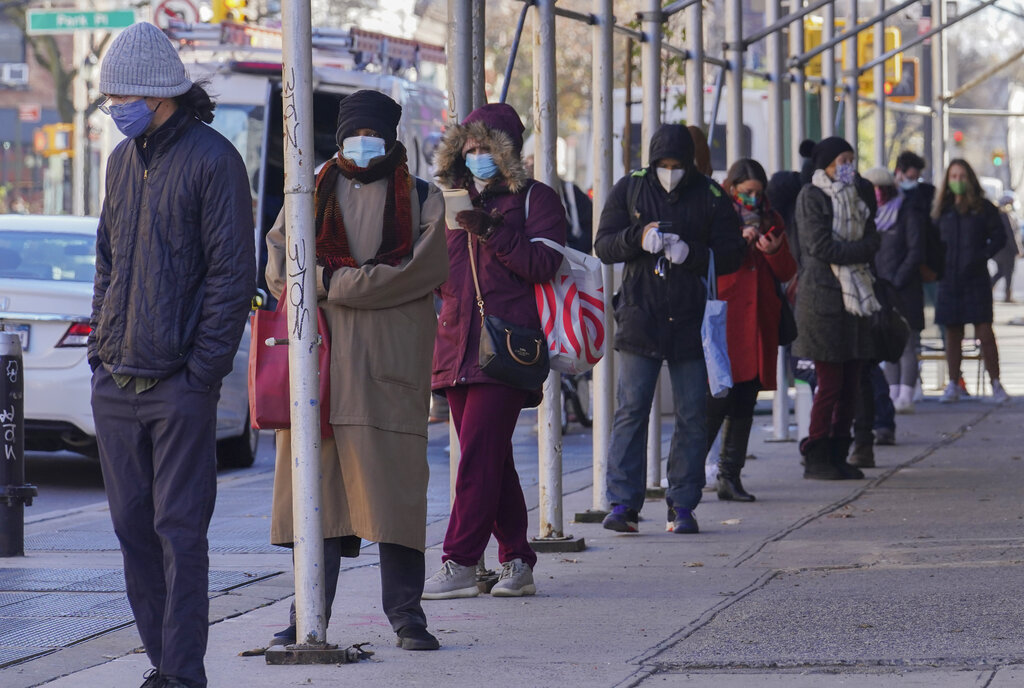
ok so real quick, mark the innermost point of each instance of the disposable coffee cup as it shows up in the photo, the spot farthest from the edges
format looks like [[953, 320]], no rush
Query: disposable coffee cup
[[455, 201]]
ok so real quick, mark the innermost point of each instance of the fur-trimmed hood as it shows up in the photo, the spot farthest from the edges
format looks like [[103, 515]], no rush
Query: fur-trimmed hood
[[498, 127]]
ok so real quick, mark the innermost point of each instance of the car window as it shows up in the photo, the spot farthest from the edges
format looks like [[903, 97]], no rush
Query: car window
[[50, 257]]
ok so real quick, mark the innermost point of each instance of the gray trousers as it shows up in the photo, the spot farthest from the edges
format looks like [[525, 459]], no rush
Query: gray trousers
[[402, 571], [158, 455]]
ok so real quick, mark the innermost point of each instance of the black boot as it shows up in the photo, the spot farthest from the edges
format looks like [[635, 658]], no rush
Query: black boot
[[732, 460], [818, 464], [840, 450]]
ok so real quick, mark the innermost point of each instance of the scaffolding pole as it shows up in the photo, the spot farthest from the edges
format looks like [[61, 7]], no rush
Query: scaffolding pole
[[479, 39], [828, 73], [797, 95], [604, 376], [776, 92], [694, 66], [650, 60], [879, 90], [734, 51], [852, 85]]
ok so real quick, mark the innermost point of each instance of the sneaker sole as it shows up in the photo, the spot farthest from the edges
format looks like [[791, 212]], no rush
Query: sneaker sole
[[451, 594], [620, 527], [529, 589]]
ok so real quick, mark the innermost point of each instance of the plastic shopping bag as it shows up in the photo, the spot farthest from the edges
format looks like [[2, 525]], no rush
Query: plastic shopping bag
[[713, 337]]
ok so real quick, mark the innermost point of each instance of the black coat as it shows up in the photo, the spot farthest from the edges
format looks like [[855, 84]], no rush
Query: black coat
[[965, 290], [826, 331], [656, 317], [899, 261], [175, 256]]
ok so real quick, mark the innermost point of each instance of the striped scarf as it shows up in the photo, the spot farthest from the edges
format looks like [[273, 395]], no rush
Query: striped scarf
[[849, 213]]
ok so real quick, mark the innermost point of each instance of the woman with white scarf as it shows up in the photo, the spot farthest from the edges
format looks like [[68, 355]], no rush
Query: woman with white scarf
[[838, 241]]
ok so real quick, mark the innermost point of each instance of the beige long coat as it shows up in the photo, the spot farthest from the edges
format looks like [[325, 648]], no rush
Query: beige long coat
[[382, 325]]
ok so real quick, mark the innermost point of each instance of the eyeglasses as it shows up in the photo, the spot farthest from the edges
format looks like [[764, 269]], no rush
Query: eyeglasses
[[104, 107], [661, 267]]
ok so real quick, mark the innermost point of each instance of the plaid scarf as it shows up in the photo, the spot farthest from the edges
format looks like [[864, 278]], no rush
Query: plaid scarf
[[332, 250]]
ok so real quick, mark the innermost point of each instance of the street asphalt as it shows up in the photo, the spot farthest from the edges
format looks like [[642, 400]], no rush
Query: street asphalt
[[908, 578]]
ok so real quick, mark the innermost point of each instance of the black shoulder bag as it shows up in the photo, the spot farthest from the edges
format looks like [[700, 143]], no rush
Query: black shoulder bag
[[514, 355]]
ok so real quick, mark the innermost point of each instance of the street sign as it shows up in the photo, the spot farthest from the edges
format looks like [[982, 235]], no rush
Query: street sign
[[69, 21], [176, 10], [29, 112]]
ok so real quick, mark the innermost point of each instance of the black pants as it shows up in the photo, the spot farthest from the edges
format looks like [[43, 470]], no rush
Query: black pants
[[738, 403], [158, 455], [402, 573]]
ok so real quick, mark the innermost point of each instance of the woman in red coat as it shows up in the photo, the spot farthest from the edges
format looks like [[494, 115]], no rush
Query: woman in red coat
[[752, 322]]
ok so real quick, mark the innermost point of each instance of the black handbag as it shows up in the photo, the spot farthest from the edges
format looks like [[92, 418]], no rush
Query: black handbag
[[787, 321], [514, 355], [889, 329]]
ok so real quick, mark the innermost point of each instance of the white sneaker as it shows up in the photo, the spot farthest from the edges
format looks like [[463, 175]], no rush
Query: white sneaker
[[515, 580], [999, 394], [904, 401], [951, 393], [451, 581]]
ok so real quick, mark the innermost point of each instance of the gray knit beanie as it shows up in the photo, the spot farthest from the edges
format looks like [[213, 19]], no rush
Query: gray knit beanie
[[143, 62]]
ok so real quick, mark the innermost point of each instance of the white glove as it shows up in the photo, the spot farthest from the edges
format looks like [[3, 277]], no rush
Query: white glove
[[675, 248], [652, 240]]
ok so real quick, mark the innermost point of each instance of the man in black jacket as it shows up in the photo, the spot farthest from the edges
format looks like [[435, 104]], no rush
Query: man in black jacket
[[175, 271], [663, 222]]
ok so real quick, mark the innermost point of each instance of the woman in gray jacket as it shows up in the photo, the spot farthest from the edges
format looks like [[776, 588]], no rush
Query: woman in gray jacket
[[838, 241]]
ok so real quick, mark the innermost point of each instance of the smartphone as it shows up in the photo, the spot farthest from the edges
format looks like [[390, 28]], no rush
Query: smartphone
[[774, 230], [664, 224]]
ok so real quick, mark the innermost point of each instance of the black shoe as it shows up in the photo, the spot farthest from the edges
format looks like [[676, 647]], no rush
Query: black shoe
[[731, 490], [285, 637], [153, 679], [863, 455], [416, 638], [840, 450], [171, 682]]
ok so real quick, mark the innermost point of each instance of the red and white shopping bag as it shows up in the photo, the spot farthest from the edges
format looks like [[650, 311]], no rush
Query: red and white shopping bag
[[571, 308]]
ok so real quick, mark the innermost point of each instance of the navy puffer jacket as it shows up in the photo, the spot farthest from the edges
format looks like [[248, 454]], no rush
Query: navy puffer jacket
[[175, 262]]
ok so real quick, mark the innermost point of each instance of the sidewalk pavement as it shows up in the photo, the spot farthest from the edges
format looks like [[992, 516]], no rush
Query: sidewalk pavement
[[908, 578]]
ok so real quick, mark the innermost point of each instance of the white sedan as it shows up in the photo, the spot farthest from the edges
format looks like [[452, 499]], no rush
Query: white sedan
[[47, 265]]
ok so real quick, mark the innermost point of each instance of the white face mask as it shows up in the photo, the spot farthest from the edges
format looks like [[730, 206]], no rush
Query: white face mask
[[362, 149], [669, 178]]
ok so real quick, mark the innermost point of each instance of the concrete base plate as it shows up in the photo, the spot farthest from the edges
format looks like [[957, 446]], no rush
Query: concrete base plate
[[569, 544], [315, 654], [589, 516]]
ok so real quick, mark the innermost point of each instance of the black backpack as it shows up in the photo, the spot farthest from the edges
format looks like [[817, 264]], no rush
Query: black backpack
[[934, 264]]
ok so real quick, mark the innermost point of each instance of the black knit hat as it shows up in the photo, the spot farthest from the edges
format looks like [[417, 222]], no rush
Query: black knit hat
[[368, 110], [828, 150]]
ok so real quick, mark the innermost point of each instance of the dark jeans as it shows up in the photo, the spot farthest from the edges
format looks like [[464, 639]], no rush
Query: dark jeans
[[627, 449], [835, 399], [874, 405], [488, 497], [158, 455], [401, 580]]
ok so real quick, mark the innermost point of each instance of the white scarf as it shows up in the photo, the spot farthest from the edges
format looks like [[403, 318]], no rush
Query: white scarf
[[849, 213]]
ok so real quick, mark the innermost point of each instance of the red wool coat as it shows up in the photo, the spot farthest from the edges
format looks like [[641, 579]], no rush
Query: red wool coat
[[752, 318]]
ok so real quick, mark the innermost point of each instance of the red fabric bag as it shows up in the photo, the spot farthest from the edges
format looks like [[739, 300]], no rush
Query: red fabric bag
[[268, 371]]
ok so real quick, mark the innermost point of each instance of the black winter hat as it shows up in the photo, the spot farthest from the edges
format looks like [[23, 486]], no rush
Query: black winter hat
[[828, 150], [368, 109]]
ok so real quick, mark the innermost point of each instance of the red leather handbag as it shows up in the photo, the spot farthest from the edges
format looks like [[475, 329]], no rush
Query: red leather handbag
[[269, 399]]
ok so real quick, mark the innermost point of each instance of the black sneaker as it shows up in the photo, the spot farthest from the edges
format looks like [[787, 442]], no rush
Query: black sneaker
[[153, 679], [681, 521], [416, 638], [622, 519]]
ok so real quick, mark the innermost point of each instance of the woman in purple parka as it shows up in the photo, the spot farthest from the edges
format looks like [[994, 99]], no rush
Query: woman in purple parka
[[482, 155]]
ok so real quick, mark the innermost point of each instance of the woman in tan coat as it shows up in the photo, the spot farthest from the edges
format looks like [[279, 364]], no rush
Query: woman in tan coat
[[381, 252]]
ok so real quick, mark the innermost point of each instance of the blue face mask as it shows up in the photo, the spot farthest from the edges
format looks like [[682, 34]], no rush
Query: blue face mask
[[846, 172], [908, 184], [362, 149], [481, 165], [132, 119]]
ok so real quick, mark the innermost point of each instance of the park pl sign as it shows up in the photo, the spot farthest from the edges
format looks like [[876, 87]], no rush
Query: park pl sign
[[68, 21]]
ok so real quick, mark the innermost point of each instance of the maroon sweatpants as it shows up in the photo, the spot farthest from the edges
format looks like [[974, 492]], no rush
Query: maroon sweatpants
[[835, 400], [488, 497]]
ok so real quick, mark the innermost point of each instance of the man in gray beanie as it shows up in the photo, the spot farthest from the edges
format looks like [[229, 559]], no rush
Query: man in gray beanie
[[175, 272]]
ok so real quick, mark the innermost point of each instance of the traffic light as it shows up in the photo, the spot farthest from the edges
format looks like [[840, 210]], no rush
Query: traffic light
[[958, 137], [998, 157], [906, 88], [231, 10], [54, 139]]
